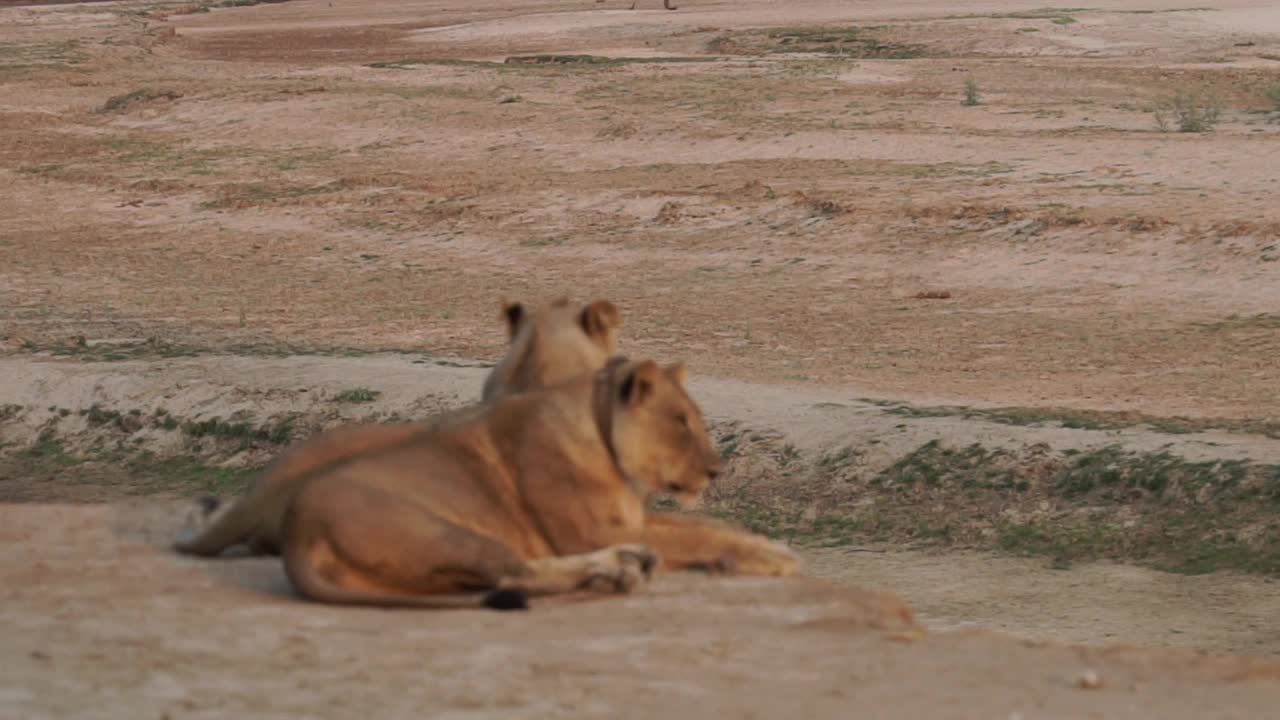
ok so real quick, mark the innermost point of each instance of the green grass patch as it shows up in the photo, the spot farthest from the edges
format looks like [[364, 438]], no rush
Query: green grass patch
[[187, 476], [50, 451], [48, 471], [834, 41], [935, 464], [1062, 544], [1112, 472], [1212, 556], [357, 395], [277, 433]]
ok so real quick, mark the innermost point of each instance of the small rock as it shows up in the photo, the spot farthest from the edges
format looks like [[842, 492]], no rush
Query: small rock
[[1029, 227], [1088, 680]]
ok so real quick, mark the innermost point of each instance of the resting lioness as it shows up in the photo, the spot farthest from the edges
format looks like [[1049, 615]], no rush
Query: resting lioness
[[546, 346], [541, 492]]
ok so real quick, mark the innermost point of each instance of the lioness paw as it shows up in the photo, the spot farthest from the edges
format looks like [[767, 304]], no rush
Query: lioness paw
[[774, 559], [619, 569], [639, 555], [760, 558]]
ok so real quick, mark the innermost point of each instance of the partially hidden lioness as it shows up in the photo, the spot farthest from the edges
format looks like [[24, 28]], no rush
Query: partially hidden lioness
[[546, 346], [542, 492]]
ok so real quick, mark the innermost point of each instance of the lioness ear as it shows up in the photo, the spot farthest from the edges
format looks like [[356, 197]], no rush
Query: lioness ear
[[514, 313], [677, 373], [598, 318], [637, 382]]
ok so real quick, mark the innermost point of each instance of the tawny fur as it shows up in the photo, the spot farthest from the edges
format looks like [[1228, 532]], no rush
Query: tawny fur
[[546, 346], [541, 492]]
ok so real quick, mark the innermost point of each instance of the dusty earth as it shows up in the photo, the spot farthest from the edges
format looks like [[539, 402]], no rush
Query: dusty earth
[[790, 197]]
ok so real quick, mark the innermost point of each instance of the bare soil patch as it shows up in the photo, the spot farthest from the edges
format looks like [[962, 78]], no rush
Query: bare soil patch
[[98, 621]]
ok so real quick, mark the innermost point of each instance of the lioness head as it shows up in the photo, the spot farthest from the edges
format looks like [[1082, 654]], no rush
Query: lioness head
[[657, 433], [552, 344]]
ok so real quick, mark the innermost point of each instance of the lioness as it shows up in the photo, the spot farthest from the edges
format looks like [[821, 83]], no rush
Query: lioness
[[546, 346], [542, 492]]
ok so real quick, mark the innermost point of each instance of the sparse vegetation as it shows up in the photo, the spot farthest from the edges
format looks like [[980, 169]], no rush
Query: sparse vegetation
[[971, 96], [243, 431], [120, 103], [108, 472], [1273, 94], [186, 476], [357, 395], [406, 63], [838, 42], [238, 196], [600, 60], [16, 56], [550, 241], [1086, 419], [1188, 112], [1154, 508], [49, 451]]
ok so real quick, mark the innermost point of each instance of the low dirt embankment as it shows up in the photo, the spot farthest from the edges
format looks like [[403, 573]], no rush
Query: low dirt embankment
[[814, 468]]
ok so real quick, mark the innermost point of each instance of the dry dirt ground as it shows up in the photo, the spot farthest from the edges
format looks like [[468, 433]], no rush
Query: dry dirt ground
[[789, 196], [97, 624]]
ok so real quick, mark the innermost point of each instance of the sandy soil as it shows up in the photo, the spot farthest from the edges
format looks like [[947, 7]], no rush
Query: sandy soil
[[1095, 604], [333, 175], [96, 623]]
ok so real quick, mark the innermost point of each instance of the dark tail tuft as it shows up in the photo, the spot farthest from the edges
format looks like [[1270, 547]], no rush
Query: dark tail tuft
[[506, 600], [209, 503]]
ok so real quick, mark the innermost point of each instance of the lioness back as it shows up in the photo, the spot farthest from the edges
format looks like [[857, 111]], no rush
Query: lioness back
[[546, 346]]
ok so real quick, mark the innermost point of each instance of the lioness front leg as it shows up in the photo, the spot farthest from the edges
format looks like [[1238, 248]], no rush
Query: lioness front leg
[[615, 569], [687, 542]]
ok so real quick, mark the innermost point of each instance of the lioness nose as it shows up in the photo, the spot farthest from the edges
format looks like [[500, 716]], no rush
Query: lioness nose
[[713, 471]]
